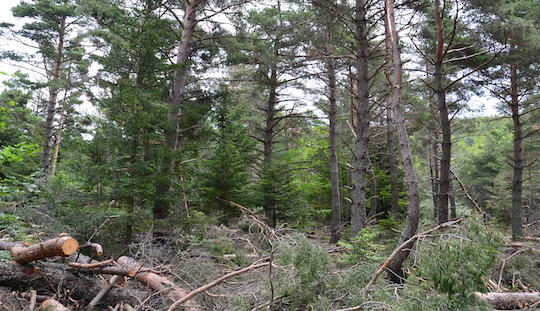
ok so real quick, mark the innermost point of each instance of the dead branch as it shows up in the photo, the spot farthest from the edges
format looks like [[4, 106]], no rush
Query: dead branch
[[104, 290], [203, 288], [90, 265], [98, 249]]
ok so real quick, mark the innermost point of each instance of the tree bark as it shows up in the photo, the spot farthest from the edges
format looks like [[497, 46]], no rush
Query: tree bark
[[361, 143], [161, 206], [269, 201], [446, 150], [53, 100], [413, 211], [509, 301], [332, 134], [434, 156], [57, 141], [392, 162], [517, 179], [61, 246]]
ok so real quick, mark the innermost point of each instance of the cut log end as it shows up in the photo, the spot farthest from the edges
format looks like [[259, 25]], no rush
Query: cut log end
[[69, 246]]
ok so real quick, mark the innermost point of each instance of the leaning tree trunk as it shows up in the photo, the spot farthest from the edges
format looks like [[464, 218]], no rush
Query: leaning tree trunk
[[53, 100], [361, 143], [517, 179], [161, 207], [332, 135], [413, 211], [446, 150]]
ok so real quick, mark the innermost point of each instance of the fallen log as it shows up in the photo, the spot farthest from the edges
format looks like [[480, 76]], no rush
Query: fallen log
[[61, 246], [48, 280], [156, 282], [509, 301], [52, 305]]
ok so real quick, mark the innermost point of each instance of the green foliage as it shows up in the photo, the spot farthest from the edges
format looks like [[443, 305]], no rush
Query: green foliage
[[363, 247], [457, 265], [310, 268], [13, 226]]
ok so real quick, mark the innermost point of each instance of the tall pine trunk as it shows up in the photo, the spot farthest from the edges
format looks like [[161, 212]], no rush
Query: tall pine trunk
[[413, 211], [517, 179], [52, 101], [161, 206], [269, 200], [57, 141], [446, 149], [361, 143], [332, 136], [434, 159], [392, 162]]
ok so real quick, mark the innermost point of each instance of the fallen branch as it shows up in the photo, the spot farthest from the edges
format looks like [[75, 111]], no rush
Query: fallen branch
[[104, 290], [98, 249], [400, 248], [156, 282], [467, 195], [509, 301], [62, 246], [90, 265], [203, 288]]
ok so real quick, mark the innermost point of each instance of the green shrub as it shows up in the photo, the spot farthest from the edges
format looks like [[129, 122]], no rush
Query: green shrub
[[363, 247]]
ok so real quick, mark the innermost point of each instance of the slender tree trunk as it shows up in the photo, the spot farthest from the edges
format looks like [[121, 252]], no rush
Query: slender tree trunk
[[162, 201], [452, 197], [517, 179], [361, 143], [446, 150], [413, 211], [434, 156], [392, 162], [269, 201], [57, 142], [332, 136], [53, 101]]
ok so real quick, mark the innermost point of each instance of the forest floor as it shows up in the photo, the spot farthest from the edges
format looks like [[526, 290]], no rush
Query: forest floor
[[305, 272]]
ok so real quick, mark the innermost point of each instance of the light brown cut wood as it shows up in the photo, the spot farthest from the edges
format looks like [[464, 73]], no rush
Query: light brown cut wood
[[509, 301], [156, 282], [61, 246], [52, 305]]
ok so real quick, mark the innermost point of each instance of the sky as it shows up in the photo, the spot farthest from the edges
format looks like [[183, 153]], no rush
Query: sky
[[480, 106]]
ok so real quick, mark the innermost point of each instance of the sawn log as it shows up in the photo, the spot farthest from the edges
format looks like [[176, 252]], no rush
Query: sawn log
[[22, 254]]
